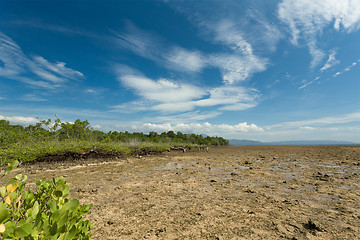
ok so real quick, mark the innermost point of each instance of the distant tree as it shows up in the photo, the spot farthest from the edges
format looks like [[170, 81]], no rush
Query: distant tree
[[171, 134]]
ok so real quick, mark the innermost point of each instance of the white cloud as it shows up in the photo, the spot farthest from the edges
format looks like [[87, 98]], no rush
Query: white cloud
[[350, 67], [58, 68], [169, 96], [235, 68], [231, 98], [337, 73], [306, 128], [332, 61], [202, 128], [19, 120], [308, 83], [241, 63], [316, 53], [161, 90], [90, 91], [37, 71], [345, 70], [307, 18], [184, 60]]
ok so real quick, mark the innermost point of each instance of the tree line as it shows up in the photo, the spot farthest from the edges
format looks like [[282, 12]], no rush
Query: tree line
[[82, 130]]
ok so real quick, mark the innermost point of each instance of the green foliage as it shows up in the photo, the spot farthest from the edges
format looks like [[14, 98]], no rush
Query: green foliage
[[47, 137], [46, 214]]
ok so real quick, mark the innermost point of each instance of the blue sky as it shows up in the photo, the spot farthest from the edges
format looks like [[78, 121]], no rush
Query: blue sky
[[261, 70]]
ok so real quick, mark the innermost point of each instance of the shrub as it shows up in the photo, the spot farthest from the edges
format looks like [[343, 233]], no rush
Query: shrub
[[47, 213]]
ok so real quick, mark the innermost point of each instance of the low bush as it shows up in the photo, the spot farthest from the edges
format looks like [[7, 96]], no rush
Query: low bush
[[47, 213]]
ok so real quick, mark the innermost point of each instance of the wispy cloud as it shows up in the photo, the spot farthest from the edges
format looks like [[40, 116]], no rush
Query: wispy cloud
[[151, 46], [169, 96], [346, 69], [230, 98], [309, 82], [350, 67], [332, 61], [35, 71], [33, 98], [307, 18], [36, 23], [342, 119], [236, 64], [188, 117]]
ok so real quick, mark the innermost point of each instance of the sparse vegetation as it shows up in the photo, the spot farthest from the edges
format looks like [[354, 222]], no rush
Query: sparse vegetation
[[49, 137]]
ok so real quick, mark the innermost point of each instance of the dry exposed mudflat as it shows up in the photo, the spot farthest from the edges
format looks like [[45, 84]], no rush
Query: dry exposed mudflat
[[252, 192]]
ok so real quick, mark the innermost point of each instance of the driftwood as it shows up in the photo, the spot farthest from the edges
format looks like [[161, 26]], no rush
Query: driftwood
[[203, 148], [184, 149]]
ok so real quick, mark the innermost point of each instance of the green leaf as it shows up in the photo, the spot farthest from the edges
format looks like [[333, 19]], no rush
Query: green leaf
[[11, 166], [35, 210], [63, 219], [4, 213], [3, 191], [7, 170], [27, 228], [55, 216], [58, 194], [72, 205], [53, 206], [24, 230], [53, 229], [70, 235], [18, 177]]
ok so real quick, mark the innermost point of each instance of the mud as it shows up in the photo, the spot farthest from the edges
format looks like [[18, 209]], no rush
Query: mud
[[253, 192]]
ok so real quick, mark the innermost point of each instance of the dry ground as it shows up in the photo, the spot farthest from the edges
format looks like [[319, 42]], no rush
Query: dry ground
[[253, 192]]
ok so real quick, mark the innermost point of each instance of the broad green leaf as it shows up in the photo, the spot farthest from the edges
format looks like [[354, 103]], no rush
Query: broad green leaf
[[52, 206], [70, 235], [55, 216], [35, 209], [62, 229], [72, 205], [27, 228], [4, 213], [53, 229], [24, 230], [15, 163], [63, 219]]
